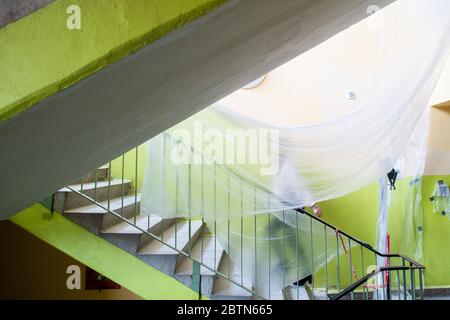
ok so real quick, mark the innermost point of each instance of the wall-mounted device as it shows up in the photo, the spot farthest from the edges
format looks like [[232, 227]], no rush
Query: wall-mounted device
[[441, 198], [351, 95]]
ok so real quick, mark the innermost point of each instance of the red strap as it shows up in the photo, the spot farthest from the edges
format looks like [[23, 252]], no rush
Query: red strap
[[347, 255]]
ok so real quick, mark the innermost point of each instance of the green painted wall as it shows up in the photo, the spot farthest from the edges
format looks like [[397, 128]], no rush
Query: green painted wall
[[357, 214], [131, 165], [40, 56], [100, 255]]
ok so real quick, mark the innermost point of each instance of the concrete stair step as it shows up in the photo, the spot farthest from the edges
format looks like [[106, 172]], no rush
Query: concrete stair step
[[143, 222], [99, 175], [114, 205], [206, 250], [176, 235], [224, 289], [315, 294], [295, 293], [65, 199]]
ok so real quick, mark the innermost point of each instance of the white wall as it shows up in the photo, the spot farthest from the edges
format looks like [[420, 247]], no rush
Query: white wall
[[313, 88]]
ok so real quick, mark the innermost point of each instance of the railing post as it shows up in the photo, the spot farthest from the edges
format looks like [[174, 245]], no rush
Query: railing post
[[405, 291], [421, 283], [95, 184], [352, 295], [269, 245], [326, 258], [242, 235], [388, 284], [136, 185], [109, 185], [337, 262], [284, 251], [413, 283], [312, 256], [123, 185], [228, 227], [363, 271], [256, 256], [196, 278], [215, 217]]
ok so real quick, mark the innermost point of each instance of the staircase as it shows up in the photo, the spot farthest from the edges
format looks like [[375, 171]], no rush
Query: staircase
[[174, 243], [188, 250]]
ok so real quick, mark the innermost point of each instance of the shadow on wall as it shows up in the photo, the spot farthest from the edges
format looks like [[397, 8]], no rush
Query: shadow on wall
[[32, 269]]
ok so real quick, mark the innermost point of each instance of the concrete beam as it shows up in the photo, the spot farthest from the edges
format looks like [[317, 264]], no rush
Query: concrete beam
[[108, 113], [12, 10]]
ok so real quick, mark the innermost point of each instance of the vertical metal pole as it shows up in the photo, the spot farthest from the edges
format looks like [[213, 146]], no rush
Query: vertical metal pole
[[242, 236], [163, 186], [312, 255], [202, 209], [421, 283], [352, 295], [256, 256], [270, 249], [95, 184], [196, 278], [123, 185], [363, 271], [228, 227], [405, 291], [398, 285], [378, 291], [215, 218], [109, 185], [413, 282], [177, 192], [383, 275], [190, 204], [284, 250], [136, 185], [337, 262], [296, 254], [388, 284], [326, 259]]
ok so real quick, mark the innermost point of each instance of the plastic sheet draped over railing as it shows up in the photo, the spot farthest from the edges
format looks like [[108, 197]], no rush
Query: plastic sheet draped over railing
[[186, 177]]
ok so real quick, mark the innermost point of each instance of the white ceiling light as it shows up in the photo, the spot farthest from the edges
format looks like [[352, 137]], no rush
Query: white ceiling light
[[254, 83]]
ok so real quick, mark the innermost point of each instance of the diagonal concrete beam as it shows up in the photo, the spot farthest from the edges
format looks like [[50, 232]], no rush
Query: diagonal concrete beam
[[12, 10], [129, 102]]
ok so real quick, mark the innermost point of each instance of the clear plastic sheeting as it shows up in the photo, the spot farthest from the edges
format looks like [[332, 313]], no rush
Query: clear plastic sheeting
[[243, 176]]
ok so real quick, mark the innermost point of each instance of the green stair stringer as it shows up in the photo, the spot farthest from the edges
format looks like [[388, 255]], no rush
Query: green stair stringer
[[102, 256]]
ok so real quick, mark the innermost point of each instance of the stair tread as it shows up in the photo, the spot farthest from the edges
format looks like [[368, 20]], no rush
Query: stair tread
[[114, 204], [212, 253], [91, 185], [155, 247], [143, 222], [295, 293], [223, 287]]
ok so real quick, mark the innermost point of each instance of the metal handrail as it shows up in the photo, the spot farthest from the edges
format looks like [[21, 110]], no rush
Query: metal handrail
[[368, 276], [360, 242], [410, 266], [155, 237]]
